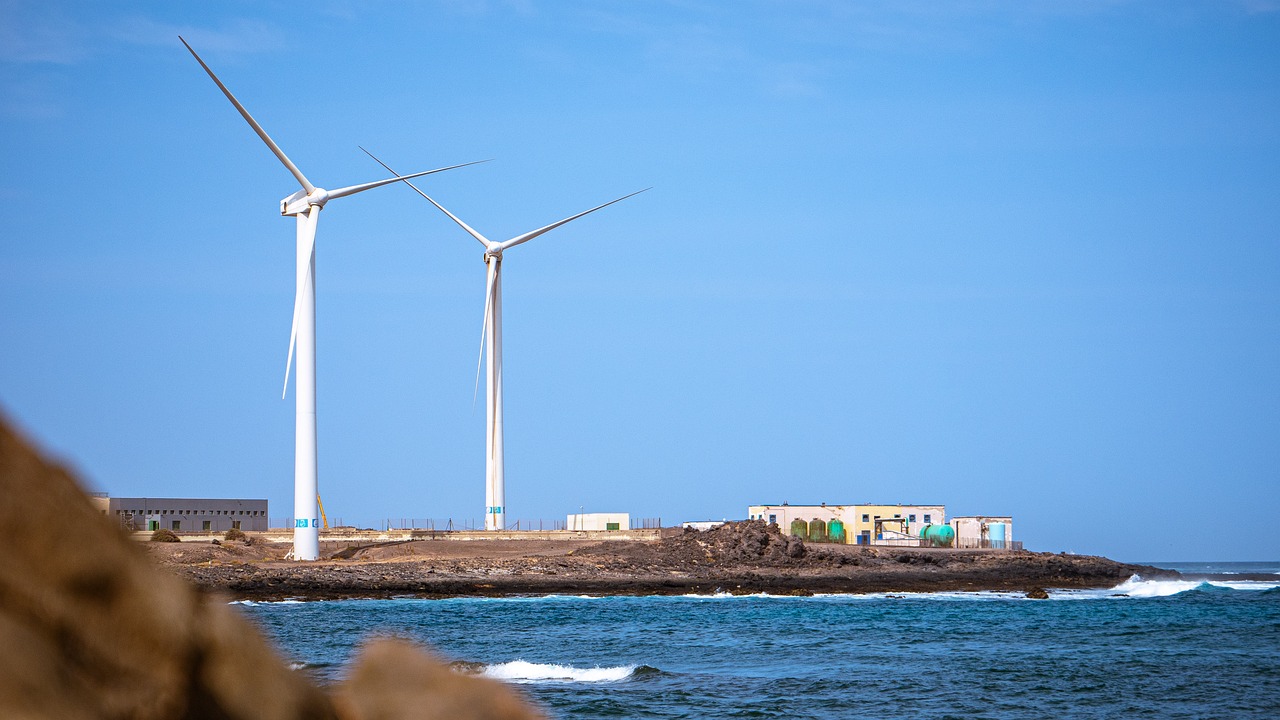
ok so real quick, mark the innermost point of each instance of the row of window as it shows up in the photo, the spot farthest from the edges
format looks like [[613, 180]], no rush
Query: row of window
[[251, 513], [866, 518], [911, 517], [177, 525]]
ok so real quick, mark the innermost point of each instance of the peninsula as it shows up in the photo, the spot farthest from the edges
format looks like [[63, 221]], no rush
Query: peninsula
[[741, 558]]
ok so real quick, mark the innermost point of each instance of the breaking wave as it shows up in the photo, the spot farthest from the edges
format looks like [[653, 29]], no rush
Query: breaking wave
[[1137, 587], [521, 671]]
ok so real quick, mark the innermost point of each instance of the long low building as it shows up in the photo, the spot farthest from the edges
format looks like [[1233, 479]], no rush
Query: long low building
[[598, 521], [185, 514], [868, 524]]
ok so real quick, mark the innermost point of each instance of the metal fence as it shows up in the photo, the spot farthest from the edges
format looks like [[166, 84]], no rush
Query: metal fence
[[965, 544], [465, 524], [286, 523], [971, 544], [452, 524]]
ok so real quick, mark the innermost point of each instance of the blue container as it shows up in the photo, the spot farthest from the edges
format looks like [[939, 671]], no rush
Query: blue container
[[996, 533]]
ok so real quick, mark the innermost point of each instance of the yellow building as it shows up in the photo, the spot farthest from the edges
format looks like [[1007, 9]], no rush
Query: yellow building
[[867, 524], [892, 524]]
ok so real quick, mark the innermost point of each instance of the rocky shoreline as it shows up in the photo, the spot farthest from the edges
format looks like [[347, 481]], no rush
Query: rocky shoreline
[[740, 558]]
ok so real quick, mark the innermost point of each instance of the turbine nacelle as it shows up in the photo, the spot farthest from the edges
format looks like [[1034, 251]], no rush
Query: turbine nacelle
[[302, 201]]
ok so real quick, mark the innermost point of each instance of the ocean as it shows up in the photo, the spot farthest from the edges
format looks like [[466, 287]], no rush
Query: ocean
[[1203, 647]]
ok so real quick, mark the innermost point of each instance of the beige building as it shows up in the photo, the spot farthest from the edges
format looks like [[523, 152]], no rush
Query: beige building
[[867, 524]]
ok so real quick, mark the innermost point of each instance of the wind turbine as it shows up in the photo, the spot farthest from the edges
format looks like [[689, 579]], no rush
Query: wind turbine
[[305, 205], [491, 331]]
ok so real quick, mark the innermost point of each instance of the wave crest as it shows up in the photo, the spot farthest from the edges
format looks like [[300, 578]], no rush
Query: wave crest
[[521, 671], [1137, 587]]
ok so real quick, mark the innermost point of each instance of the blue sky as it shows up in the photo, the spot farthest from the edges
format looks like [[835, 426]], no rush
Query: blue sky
[[1015, 257]]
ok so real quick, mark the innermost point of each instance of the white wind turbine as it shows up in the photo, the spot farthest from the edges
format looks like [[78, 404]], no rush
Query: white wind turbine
[[305, 205], [491, 330]]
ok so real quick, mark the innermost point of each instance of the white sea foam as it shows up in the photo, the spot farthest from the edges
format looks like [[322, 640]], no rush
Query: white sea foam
[[252, 603], [1137, 587], [1140, 588], [520, 671], [1246, 584]]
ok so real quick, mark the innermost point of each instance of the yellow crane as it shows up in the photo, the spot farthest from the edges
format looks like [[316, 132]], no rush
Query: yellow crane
[[323, 517]]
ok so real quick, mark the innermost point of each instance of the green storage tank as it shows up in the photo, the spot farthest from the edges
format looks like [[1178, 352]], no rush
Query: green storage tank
[[937, 535], [835, 530], [800, 528], [817, 530]]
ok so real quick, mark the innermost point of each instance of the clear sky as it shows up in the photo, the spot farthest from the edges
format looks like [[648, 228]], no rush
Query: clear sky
[[1012, 257]]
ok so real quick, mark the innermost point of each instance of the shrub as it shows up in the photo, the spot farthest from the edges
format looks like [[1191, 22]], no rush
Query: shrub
[[163, 535], [234, 534]]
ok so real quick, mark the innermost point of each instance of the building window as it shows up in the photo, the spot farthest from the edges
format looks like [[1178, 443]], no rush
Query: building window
[[235, 524], [866, 517], [177, 524], [205, 525], [911, 517], [928, 518], [773, 519]]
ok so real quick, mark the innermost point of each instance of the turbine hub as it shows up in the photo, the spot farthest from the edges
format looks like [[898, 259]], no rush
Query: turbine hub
[[318, 197], [301, 202]]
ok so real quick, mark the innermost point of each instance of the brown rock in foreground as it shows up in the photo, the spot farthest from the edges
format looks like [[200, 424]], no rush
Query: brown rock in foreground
[[89, 629]]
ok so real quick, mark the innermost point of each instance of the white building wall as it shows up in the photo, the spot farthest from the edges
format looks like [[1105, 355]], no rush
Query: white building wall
[[974, 531], [598, 521]]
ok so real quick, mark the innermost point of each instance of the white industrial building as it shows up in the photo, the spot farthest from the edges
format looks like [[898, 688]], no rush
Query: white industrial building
[[598, 521], [985, 531]]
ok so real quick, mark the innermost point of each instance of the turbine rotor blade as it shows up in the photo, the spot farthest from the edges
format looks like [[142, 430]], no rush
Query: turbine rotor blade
[[483, 240], [493, 267], [547, 228], [302, 179], [353, 189], [309, 244]]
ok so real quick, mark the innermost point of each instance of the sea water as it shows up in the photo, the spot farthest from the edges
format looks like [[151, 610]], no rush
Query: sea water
[[1203, 647]]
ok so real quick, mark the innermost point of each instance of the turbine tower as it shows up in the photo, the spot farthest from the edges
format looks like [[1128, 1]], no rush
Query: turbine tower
[[304, 205], [491, 349]]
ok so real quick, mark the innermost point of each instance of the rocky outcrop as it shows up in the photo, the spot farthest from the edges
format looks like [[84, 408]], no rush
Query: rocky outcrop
[[89, 629], [744, 543]]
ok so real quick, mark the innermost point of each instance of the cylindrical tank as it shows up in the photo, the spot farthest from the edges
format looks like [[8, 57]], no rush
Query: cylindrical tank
[[937, 535], [800, 528], [835, 530], [817, 530], [995, 532]]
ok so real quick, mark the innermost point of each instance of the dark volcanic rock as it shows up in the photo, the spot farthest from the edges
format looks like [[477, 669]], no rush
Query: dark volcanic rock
[[749, 542]]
